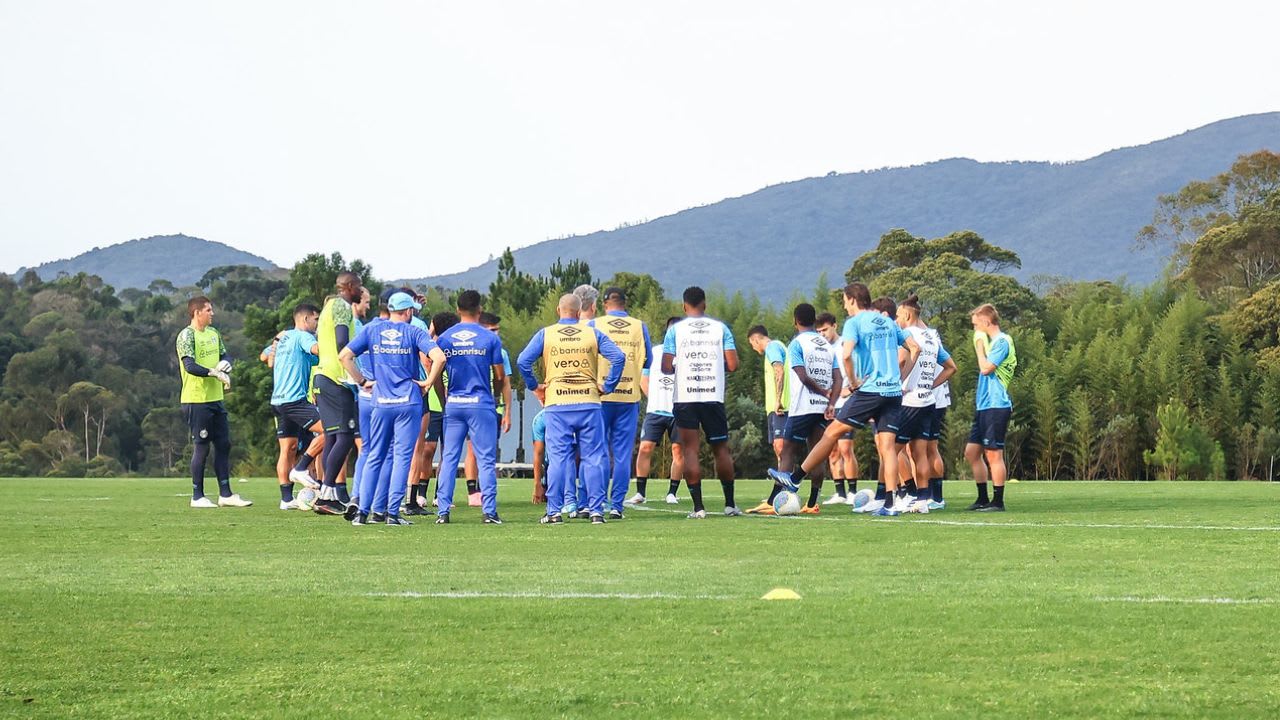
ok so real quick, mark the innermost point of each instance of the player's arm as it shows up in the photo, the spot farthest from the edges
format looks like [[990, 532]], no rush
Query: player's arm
[[807, 380], [648, 345], [435, 372], [669, 351], [539, 452], [730, 352], [778, 382], [610, 351], [913, 352], [348, 360], [948, 369], [987, 361], [846, 366], [644, 382], [524, 363], [833, 395]]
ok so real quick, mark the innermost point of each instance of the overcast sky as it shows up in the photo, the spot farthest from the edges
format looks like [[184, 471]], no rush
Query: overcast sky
[[426, 136]]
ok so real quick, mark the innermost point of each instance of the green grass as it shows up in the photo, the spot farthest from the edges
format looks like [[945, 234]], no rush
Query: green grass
[[117, 600]]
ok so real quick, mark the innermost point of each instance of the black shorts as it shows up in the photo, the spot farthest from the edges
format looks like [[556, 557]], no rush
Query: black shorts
[[435, 426], [939, 419], [990, 427], [208, 421], [655, 426], [800, 427], [775, 427], [294, 417], [706, 415], [337, 406], [914, 423], [864, 408]]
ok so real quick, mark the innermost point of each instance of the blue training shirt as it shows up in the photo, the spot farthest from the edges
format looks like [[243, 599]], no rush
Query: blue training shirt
[[992, 393], [471, 352], [363, 360], [540, 426], [393, 349], [876, 339], [291, 372]]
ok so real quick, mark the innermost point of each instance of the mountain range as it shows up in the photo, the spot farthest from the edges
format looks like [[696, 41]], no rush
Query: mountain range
[[180, 259]]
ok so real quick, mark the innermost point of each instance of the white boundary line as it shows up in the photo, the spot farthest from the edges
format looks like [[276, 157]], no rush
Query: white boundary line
[[457, 595], [1161, 600], [919, 519]]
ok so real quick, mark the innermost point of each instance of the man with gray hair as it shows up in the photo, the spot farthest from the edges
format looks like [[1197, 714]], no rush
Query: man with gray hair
[[571, 391], [575, 492], [588, 295]]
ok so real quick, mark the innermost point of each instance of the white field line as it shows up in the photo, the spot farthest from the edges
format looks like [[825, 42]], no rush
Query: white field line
[[1161, 600], [455, 595], [917, 519]]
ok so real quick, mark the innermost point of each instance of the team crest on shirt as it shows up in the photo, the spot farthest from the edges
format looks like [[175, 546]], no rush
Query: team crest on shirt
[[204, 434], [700, 324], [391, 336], [619, 323], [351, 424], [569, 330]]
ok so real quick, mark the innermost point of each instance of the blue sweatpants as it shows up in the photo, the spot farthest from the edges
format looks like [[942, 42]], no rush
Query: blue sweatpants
[[364, 403], [568, 427], [393, 432], [620, 421], [478, 425]]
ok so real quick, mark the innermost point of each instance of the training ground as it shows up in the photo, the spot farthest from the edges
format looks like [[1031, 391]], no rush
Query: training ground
[[1084, 600]]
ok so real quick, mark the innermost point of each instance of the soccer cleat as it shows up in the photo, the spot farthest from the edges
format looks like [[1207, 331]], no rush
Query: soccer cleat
[[991, 507], [732, 511], [783, 479], [919, 506], [303, 478], [290, 505], [360, 519], [763, 508], [836, 499], [202, 502], [473, 500], [233, 500], [636, 499], [978, 505], [377, 517], [883, 511], [811, 510], [597, 519], [578, 514], [870, 507], [697, 515], [616, 515], [329, 507], [937, 505], [397, 520], [570, 509], [552, 519], [416, 510], [848, 498], [349, 512], [672, 499], [442, 519], [492, 519]]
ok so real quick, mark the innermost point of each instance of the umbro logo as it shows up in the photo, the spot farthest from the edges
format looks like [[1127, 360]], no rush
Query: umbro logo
[[667, 382], [391, 335], [463, 335], [700, 324], [619, 323], [569, 330]]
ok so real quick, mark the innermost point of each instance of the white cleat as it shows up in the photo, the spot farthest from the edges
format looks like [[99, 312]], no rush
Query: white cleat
[[672, 499], [203, 502], [870, 507], [291, 505], [836, 500], [848, 498], [303, 478], [697, 515], [234, 501], [636, 499], [732, 511], [919, 506]]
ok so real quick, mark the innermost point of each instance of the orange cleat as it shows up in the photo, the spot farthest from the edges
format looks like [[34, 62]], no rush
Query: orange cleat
[[811, 510], [763, 508]]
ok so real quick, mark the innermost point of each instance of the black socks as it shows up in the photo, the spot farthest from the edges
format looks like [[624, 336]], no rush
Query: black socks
[[695, 492], [642, 481], [982, 493], [999, 498]]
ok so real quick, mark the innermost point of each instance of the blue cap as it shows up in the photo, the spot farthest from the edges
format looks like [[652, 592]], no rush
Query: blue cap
[[402, 301]]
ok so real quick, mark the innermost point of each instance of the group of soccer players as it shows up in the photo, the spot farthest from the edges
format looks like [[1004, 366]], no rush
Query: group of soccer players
[[396, 387]]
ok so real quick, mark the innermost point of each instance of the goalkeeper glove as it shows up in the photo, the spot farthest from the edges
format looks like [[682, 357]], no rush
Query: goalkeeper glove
[[222, 377], [223, 366]]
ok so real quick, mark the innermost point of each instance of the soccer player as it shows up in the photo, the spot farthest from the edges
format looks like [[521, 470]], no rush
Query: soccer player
[[997, 359], [942, 401], [777, 386], [292, 357], [659, 388], [698, 351], [205, 370], [815, 385], [844, 463], [395, 347], [501, 395], [576, 490], [875, 338], [334, 396], [440, 323], [474, 364], [570, 352], [621, 408], [540, 457], [933, 366]]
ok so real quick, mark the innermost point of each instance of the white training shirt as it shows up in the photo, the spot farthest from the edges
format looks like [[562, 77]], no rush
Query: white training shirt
[[812, 352], [698, 345], [662, 387], [917, 388]]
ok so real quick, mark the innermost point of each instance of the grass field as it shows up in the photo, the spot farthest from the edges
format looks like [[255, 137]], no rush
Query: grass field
[[1085, 600]]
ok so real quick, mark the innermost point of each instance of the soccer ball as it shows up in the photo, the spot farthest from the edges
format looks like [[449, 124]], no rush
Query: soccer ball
[[306, 499], [786, 503], [862, 498]]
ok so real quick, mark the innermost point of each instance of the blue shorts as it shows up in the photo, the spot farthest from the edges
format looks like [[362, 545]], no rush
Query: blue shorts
[[935, 428], [709, 416], [914, 423], [864, 408], [775, 426], [435, 426], [990, 427], [801, 427], [655, 426], [294, 417]]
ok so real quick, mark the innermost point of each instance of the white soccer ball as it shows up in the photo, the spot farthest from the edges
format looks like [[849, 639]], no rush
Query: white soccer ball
[[862, 498], [306, 498], [786, 503]]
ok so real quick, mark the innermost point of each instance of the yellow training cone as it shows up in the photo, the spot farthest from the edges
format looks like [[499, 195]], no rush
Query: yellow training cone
[[781, 594]]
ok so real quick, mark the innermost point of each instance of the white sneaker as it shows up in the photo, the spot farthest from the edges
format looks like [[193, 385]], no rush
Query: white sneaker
[[920, 506], [203, 502], [848, 498], [672, 499], [698, 515], [836, 500], [303, 478], [636, 499], [870, 507], [291, 505], [234, 501], [732, 511]]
